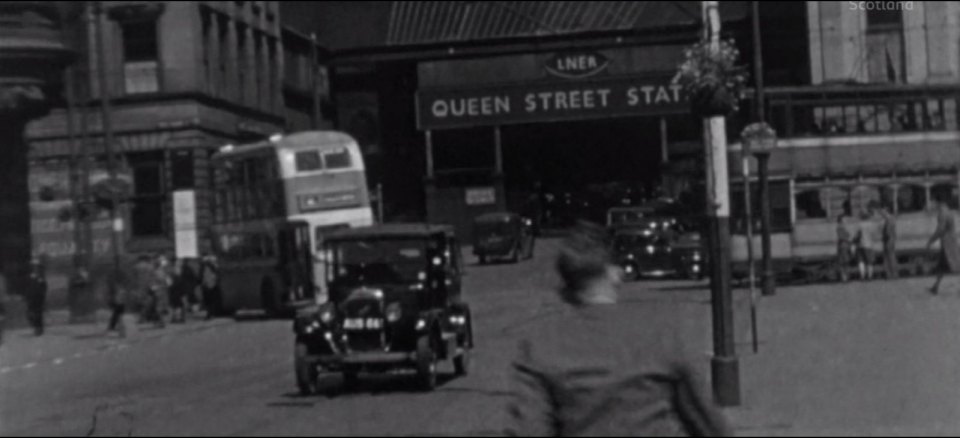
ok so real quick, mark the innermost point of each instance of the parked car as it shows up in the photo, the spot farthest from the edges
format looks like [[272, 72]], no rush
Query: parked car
[[503, 235], [395, 303]]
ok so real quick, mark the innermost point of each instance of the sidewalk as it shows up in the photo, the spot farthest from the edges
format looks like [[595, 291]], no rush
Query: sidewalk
[[21, 348], [874, 358]]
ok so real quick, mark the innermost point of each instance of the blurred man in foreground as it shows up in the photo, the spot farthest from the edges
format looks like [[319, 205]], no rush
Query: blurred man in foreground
[[599, 369]]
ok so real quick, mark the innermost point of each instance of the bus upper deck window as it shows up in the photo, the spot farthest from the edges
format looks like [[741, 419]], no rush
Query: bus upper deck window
[[339, 159], [308, 161]]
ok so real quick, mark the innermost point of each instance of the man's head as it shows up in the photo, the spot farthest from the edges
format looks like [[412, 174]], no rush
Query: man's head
[[586, 266]]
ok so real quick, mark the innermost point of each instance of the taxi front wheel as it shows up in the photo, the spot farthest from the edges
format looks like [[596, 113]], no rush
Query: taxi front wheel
[[426, 364], [306, 371]]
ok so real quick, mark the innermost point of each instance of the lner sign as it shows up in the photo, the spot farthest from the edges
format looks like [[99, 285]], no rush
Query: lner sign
[[547, 102]]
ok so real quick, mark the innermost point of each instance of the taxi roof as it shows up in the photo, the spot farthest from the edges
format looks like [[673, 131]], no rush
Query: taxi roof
[[421, 230]]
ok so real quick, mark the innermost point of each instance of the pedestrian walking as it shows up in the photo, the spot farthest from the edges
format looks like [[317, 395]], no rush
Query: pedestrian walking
[[868, 244], [159, 297], [210, 287], [598, 369], [123, 299], [889, 238], [946, 233], [845, 248], [36, 296], [181, 290]]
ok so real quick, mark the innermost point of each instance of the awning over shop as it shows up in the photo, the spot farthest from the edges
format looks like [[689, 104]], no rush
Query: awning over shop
[[426, 22], [347, 26]]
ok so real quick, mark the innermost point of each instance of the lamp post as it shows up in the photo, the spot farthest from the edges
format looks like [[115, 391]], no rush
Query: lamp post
[[725, 366], [760, 139]]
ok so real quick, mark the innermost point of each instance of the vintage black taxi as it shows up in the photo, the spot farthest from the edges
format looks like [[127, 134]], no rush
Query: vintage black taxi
[[658, 247], [395, 302], [503, 235]]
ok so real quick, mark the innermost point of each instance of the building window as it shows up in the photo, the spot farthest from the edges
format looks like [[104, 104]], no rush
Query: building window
[[140, 57], [148, 215], [885, 46], [242, 62], [226, 56]]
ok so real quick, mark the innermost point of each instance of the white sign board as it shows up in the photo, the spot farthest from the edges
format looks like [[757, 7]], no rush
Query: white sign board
[[481, 196], [185, 223], [184, 210]]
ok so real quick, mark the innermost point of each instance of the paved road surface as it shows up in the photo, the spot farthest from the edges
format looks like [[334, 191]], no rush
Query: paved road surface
[[838, 359]]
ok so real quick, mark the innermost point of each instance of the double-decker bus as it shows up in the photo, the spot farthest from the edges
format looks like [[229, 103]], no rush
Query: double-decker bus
[[273, 201]]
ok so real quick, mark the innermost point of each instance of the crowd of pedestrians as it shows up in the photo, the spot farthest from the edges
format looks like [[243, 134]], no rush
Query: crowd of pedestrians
[[872, 237], [865, 240], [161, 290]]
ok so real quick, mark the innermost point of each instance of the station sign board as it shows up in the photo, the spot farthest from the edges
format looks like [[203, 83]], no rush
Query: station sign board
[[549, 102]]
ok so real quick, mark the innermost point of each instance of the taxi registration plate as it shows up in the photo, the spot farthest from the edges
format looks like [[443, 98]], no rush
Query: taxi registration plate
[[363, 324]]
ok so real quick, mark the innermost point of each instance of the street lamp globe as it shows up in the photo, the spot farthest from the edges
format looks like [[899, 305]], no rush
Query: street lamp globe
[[758, 139]]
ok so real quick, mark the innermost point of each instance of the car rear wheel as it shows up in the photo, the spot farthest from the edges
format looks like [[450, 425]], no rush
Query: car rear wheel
[[426, 364], [482, 259], [515, 255], [306, 371]]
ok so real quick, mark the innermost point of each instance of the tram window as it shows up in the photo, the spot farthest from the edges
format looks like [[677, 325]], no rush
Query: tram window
[[911, 199], [837, 200], [861, 199], [946, 192], [810, 204], [339, 159], [308, 161]]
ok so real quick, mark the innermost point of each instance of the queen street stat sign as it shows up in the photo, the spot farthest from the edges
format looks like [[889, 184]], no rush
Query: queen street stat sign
[[549, 102]]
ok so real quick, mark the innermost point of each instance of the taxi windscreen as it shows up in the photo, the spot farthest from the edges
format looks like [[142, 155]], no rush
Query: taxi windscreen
[[378, 261]]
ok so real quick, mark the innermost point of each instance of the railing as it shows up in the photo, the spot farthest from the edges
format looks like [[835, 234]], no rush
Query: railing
[[838, 110]]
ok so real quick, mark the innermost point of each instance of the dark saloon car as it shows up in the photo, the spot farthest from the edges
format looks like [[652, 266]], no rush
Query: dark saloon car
[[395, 303], [648, 251], [503, 235], [644, 252]]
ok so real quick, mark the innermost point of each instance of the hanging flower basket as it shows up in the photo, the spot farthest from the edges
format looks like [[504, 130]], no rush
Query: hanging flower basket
[[712, 79]]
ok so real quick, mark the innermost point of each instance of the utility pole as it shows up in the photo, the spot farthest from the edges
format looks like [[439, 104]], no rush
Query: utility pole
[[724, 364], [115, 219], [74, 171], [768, 281], [314, 77]]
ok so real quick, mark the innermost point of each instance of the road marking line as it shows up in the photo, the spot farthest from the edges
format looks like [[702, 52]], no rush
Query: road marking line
[[58, 361], [29, 365], [5, 370]]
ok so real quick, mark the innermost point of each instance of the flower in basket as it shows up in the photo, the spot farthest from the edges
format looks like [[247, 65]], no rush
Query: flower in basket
[[712, 79]]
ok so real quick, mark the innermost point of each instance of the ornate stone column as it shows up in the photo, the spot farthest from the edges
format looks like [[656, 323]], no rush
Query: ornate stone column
[[32, 58]]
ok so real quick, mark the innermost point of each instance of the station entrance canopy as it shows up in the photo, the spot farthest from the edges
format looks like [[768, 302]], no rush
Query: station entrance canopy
[[598, 98]]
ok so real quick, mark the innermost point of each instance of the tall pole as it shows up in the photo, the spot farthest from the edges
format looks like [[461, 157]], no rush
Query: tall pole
[[105, 114], [751, 268], [86, 221], [768, 282], [75, 201], [724, 364], [314, 72]]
